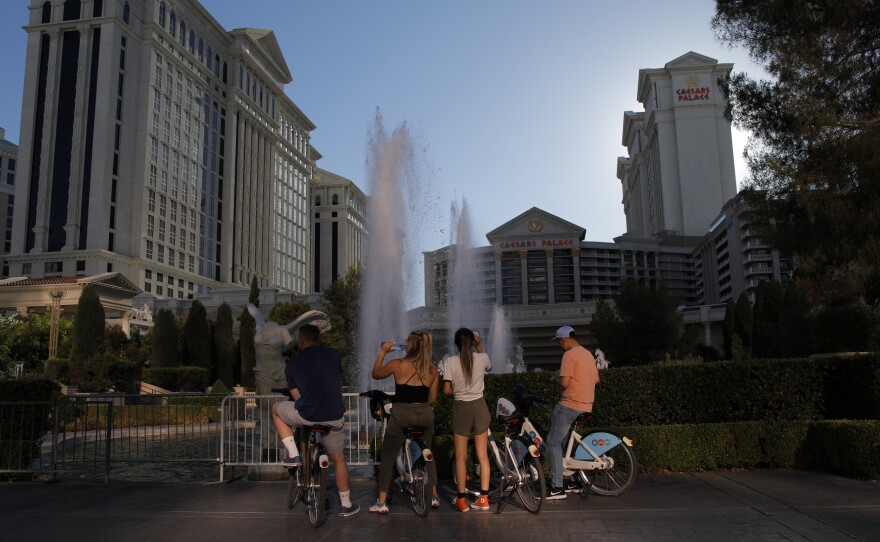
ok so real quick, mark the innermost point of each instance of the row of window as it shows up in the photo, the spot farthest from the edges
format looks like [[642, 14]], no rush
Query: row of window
[[10, 169], [188, 40]]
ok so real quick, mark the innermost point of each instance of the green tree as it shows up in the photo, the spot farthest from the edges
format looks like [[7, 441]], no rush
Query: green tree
[[285, 313], [607, 329], [246, 331], [26, 340], [88, 331], [813, 157], [342, 303], [224, 346], [164, 340], [728, 329], [769, 303], [197, 338], [744, 322], [650, 326]]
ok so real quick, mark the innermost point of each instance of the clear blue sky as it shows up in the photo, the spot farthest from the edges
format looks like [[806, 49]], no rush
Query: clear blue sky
[[519, 103]]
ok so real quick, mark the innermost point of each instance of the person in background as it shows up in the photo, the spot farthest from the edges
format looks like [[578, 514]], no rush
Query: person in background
[[578, 377], [463, 378]]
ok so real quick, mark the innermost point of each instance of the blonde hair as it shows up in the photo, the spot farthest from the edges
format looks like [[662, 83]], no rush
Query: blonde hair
[[419, 350]]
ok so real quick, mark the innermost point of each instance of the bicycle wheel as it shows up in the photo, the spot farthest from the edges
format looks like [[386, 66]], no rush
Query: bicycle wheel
[[317, 493], [616, 479], [533, 488], [294, 487], [418, 489]]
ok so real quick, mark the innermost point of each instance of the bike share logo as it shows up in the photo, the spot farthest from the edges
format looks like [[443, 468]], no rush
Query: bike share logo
[[600, 442]]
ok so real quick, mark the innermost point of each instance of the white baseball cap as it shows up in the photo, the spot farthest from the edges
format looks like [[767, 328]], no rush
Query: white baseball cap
[[563, 333]]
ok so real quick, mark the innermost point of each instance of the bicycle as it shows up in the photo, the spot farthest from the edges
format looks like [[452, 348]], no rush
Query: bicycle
[[603, 459], [516, 466], [412, 459], [308, 481]]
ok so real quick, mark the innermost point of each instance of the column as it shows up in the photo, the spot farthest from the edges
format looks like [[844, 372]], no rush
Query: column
[[576, 256], [551, 282], [71, 228], [239, 179], [524, 279], [40, 226]]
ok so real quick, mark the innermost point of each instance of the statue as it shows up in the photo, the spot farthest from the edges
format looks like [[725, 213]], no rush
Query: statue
[[601, 362], [272, 341], [520, 365]]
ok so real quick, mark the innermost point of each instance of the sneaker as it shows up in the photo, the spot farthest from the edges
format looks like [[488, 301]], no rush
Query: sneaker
[[482, 503], [347, 511], [379, 508], [461, 504], [291, 461], [556, 493], [435, 502], [573, 486]]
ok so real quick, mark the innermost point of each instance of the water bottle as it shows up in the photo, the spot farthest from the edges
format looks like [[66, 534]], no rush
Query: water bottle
[[396, 347]]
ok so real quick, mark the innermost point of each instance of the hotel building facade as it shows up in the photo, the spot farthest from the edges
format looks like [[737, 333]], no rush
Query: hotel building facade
[[8, 166], [159, 145]]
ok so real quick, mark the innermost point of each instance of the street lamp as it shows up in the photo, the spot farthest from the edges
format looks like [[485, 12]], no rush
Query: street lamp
[[56, 296]]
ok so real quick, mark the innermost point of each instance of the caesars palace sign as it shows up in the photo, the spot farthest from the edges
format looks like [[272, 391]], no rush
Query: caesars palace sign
[[693, 92]]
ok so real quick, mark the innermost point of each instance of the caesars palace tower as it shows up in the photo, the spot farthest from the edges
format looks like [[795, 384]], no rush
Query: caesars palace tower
[[160, 146]]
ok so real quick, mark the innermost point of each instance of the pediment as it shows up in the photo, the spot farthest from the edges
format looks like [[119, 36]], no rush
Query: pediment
[[115, 281], [691, 59], [267, 41], [538, 224]]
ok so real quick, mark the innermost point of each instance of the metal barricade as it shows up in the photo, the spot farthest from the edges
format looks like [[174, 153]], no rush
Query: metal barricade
[[248, 437]]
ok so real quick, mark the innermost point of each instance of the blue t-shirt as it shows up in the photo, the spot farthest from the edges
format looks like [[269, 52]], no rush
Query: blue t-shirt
[[316, 373]]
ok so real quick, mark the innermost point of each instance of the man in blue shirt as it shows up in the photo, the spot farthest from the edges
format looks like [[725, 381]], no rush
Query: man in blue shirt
[[314, 377]]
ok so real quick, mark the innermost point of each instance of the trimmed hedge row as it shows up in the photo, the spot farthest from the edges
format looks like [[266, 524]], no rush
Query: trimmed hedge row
[[36, 389], [760, 390], [849, 448], [95, 417]]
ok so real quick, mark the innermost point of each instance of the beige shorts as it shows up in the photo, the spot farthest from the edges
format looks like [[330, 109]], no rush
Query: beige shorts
[[470, 417], [334, 440]]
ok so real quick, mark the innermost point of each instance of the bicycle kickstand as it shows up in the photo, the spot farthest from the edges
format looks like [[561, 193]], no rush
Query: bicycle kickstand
[[505, 496]]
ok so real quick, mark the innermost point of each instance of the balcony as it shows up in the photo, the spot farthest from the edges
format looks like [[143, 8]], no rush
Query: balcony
[[751, 258]]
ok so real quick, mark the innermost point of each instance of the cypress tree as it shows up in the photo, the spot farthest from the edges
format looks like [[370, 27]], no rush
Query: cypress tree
[[246, 331], [196, 337], [164, 341], [88, 331], [224, 346], [729, 328]]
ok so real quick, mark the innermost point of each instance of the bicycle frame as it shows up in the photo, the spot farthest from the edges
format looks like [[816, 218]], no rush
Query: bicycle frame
[[590, 456]]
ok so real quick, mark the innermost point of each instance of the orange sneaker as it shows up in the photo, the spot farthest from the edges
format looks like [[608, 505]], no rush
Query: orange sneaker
[[482, 503], [461, 504]]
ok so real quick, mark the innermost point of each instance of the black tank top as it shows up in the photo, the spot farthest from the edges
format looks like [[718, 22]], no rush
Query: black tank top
[[405, 393]]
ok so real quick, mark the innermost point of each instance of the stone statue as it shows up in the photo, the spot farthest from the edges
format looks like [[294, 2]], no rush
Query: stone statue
[[272, 340], [601, 362]]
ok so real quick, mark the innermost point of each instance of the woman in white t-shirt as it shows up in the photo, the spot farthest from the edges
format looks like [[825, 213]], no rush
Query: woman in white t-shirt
[[463, 376]]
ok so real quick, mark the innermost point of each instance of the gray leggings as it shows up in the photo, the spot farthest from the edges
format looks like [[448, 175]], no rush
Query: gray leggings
[[405, 415]]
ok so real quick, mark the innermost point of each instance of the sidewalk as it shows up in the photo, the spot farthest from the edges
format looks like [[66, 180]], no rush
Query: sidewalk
[[725, 506]]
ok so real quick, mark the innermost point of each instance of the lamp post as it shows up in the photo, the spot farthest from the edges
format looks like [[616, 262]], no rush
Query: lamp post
[[56, 296]]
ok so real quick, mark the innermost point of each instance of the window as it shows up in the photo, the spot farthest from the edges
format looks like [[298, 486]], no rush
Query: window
[[192, 41], [149, 250], [72, 10], [182, 33], [201, 50], [47, 13], [125, 12], [162, 14], [173, 25], [97, 8]]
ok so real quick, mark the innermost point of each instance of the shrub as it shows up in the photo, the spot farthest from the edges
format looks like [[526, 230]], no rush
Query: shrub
[[105, 371], [177, 378], [58, 369]]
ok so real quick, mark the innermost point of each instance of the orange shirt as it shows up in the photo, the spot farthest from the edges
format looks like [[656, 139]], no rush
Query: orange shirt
[[580, 365]]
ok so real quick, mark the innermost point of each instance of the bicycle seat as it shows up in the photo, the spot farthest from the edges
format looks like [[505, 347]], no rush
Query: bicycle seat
[[320, 429], [582, 420], [516, 417], [414, 430]]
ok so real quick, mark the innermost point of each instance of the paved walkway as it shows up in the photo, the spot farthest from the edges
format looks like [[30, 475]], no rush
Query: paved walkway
[[726, 506]]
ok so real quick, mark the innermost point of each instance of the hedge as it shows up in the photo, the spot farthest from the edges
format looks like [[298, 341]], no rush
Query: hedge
[[177, 378], [22, 425], [759, 390], [36, 389], [95, 417]]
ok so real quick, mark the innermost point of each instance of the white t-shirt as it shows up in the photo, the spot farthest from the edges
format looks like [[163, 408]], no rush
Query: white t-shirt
[[462, 390]]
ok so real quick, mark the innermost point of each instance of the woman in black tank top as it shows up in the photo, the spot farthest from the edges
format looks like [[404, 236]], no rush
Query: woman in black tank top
[[416, 381]]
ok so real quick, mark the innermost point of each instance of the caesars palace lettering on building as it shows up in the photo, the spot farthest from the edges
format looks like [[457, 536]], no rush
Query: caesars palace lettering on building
[[544, 243], [691, 94]]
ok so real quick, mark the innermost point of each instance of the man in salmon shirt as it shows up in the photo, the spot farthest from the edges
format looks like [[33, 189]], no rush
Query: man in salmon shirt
[[578, 377]]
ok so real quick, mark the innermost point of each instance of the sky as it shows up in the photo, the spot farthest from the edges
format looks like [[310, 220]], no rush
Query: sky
[[514, 103]]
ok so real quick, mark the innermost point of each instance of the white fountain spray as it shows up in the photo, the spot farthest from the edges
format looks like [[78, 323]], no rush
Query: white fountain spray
[[395, 216]]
